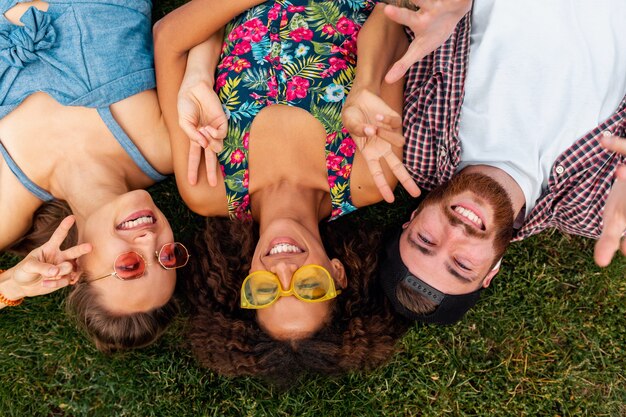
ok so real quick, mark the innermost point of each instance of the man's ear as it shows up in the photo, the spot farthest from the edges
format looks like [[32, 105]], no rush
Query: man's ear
[[405, 225], [339, 273], [494, 271]]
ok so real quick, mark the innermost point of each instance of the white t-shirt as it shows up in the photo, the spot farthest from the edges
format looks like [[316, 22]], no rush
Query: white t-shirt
[[541, 74]]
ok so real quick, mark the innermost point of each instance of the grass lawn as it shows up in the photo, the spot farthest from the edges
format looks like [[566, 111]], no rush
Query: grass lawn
[[548, 338]]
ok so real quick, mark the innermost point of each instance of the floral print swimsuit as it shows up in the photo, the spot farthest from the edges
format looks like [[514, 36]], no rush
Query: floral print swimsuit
[[298, 53]]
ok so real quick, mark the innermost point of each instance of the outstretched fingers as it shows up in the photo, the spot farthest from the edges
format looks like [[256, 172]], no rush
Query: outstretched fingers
[[61, 232], [399, 170], [193, 162], [373, 163], [76, 252], [614, 218], [210, 160]]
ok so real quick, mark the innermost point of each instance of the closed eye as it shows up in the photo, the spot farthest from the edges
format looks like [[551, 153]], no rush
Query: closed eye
[[424, 239], [462, 265]]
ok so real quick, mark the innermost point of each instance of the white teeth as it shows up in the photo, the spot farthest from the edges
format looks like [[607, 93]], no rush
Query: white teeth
[[469, 215], [137, 222], [285, 248]]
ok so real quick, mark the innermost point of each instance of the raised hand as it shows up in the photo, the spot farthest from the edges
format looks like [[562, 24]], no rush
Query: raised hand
[[48, 268], [203, 120], [614, 221], [376, 129], [614, 217], [432, 25]]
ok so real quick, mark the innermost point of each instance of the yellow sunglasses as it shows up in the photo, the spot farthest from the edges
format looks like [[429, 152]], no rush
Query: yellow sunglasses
[[310, 283]]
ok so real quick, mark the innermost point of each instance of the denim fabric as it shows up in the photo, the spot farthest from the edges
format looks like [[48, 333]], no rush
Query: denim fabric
[[82, 53], [89, 53]]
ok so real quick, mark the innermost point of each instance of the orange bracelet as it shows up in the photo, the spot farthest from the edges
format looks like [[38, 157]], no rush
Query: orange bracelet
[[6, 301]]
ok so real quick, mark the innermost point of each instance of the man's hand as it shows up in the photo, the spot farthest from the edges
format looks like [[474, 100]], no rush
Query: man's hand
[[614, 216], [49, 268], [432, 25], [202, 118], [376, 128], [614, 220]]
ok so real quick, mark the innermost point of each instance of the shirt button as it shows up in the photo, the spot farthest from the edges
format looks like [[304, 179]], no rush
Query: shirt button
[[274, 30], [607, 133], [560, 169]]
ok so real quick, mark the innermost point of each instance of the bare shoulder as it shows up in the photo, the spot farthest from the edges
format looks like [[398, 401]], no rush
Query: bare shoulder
[[17, 207]]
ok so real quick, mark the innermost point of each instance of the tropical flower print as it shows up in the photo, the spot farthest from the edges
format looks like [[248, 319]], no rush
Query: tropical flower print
[[242, 48], [297, 53], [328, 29], [347, 147], [301, 34], [346, 26], [301, 51], [237, 157], [297, 87], [334, 93]]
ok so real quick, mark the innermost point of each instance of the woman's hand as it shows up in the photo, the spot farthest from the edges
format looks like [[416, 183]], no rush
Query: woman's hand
[[202, 118], [376, 129], [47, 268], [614, 216], [432, 25]]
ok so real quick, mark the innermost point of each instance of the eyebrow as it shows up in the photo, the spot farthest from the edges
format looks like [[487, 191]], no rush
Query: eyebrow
[[429, 252]]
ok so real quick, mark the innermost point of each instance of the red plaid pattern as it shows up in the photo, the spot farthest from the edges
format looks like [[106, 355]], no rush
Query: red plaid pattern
[[581, 177]]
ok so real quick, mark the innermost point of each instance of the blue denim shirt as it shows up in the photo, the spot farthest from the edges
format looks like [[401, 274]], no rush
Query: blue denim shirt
[[89, 53]]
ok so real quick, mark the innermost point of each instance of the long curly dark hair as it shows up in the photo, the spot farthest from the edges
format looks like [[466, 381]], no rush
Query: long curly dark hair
[[225, 338]]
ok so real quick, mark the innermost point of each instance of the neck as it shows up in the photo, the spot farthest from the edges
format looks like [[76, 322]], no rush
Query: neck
[[507, 182], [87, 193], [288, 201]]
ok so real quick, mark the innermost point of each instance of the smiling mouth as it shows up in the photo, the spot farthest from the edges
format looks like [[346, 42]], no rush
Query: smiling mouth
[[284, 249], [470, 217], [137, 220]]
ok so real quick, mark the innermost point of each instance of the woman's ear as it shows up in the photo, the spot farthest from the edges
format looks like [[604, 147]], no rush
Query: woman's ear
[[339, 273]]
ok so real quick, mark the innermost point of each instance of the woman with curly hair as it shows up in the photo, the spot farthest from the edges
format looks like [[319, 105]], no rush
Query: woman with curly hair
[[286, 163], [360, 334]]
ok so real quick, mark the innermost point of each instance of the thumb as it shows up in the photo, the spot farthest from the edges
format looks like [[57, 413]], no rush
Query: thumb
[[604, 250]]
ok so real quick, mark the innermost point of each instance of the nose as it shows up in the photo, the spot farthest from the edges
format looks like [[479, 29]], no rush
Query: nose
[[284, 271], [146, 239]]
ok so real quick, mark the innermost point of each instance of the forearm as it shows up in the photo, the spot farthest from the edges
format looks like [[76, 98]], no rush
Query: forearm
[[198, 66], [380, 43], [194, 22], [203, 59]]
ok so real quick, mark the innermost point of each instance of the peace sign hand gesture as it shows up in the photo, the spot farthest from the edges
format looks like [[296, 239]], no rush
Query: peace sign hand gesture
[[48, 268], [377, 129]]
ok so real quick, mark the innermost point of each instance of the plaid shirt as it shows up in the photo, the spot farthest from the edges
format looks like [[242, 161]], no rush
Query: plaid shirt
[[580, 179]]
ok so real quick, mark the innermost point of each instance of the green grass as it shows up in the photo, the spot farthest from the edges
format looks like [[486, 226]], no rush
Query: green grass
[[547, 338]]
